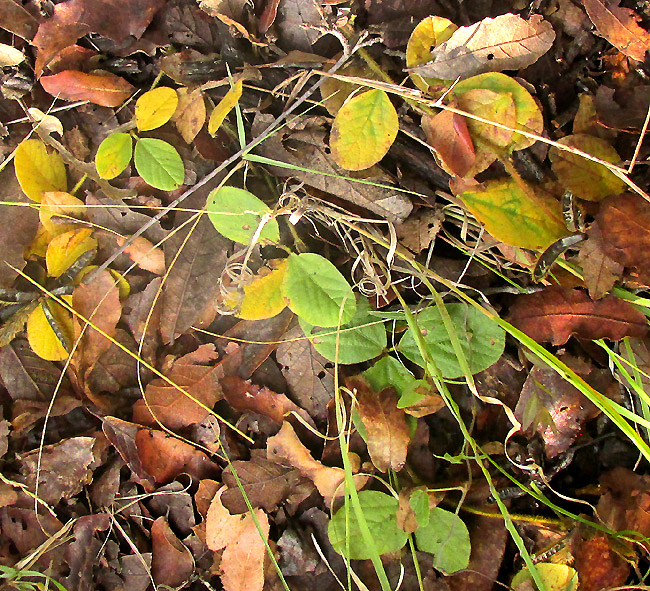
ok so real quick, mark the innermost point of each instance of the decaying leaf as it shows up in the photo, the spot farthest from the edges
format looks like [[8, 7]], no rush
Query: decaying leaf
[[506, 42], [599, 271], [448, 135], [172, 563], [555, 313], [190, 114]]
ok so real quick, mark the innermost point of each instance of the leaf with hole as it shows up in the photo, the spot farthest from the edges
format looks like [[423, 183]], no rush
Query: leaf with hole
[[481, 339], [360, 339], [446, 537], [155, 107], [159, 164], [380, 512], [317, 292], [363, 130], [114, 155], [39, 169], [237, 214]]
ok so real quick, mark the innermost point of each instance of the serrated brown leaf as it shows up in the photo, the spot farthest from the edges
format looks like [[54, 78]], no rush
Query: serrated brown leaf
[[107, 90], [599, 271], [555, 313], [619, 26], [387, 433], [171, 563], [506, 42]]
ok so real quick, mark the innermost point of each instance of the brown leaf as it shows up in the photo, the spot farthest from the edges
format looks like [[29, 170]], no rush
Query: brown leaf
[[619, 26], [195, 264], [17, 20], [190, 113], [145, 321], [448, 135], [165, 457], [171, 406], [106, 89], [171, 563], [266, 484], [555, 313], [75, 18], [64, 468], [144, 254], [599, 271], [624, 222], [506, 42], [85, 550], [598, 564], [122, 436]]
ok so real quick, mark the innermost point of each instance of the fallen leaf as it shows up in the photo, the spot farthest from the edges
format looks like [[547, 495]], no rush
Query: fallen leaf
[[85, 550], [155, 107], [555, 313], [50, 331], [600, 272], [224, 107], [172, 564], [448, 135], [39, 169], [387, 432], [65, 249], [598, 564], [297, 22], [17, 20], [190, 114], [107, 90], [263, 296], [144, 254], [506, 42], [619, 26], [122, 436]]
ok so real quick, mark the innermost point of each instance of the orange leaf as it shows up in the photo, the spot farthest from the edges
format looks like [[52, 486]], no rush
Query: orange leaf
[[104, 89]]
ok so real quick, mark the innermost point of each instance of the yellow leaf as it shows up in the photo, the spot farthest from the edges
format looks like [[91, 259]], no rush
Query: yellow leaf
[[59, 203], [39, 170], [154, 108], [263, 296], [224, 107], [46, 341], [66, 248]]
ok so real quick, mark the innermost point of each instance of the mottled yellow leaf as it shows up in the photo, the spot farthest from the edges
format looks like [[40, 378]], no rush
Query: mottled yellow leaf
[[66, 248], [46, 341], [39, 169], [263, 296], [224, 107], [154, 108]]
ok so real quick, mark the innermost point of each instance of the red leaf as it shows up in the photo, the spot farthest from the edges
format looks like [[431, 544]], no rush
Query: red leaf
[[106, 90], [555, 313]]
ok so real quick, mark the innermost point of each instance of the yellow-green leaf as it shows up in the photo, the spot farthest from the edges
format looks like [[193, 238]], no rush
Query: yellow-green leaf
[[525, 219], [263, 297], [38, 169], [224, 107], [494, 106], [363, 130], [154, 108], [66, 248], [584, 178], [114, 155], [429, 33], [50, 337]]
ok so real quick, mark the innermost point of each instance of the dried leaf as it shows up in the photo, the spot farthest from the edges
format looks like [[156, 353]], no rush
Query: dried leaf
[[17, 20], [190, 114], [145, 255], [599, 271], [50, 331], [619, 26], [448, 135], [598, 563], [104, 89], [172, 564], [506, 42], [555, 313]]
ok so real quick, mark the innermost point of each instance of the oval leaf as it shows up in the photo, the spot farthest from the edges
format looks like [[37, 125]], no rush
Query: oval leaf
[[363, 130], [380, 511], [263, 296], [46, 341], [386, 372], [360, 339], [224, 107], [154, 108], [66, 248], [107, 90], [237, 213], [38, 169], [481, 339], [446, 537], [114, 155], [556, 577], [317, 292], [529, 220], [159, 164]]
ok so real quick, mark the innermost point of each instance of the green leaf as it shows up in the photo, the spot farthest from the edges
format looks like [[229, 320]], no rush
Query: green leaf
[[380, 512], [38, 169], [114, 155], [447, 538], [386, 372], [159, 164], [556, 577], [363, 130], [317, 292], [481, 339], [237, 213], [419, 502], [526, 219], [360, 339], [414, 393], [154, 108]]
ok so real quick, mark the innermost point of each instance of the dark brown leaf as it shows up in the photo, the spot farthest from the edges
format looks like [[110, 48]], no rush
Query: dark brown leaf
[[172, 563], [555, 313], [15, 19], [122, 436], [84, 552]]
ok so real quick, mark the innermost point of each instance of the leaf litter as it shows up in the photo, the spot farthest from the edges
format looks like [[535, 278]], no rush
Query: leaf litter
[[255, 340]]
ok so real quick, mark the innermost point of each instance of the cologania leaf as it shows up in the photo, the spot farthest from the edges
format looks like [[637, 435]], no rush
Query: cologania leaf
[[446, 537], [380, 512], [237, 214], [159, 164], [317, 292], [114, 155], [363, 338], [224, 107], [38, 169], [481, 339], [50, 330], [155, 107], [363, 130]]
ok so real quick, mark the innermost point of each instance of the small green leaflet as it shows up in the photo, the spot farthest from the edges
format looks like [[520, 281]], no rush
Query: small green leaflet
[[388, 371], [446, 537], [114, 155], [159, 164]]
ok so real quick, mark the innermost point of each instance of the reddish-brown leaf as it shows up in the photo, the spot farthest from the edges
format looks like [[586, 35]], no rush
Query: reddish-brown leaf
[[600, 271], [448, 135], [624, 222], [555, 313], [619, 26], [107, 90], [84, 551], [121, 435], [171, 563], [387, 433], [598, 564], [17, 20]]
